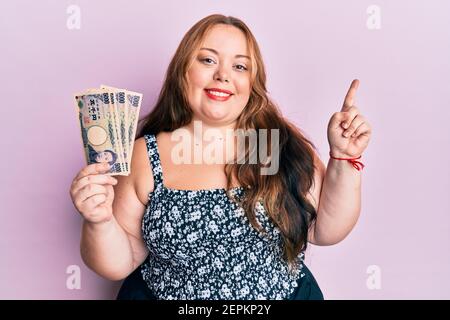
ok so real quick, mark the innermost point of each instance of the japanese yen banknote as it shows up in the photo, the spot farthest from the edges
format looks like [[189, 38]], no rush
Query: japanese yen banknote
[[108, 121]]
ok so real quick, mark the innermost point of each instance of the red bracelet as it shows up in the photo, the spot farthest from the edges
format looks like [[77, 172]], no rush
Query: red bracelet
[[353, 161]]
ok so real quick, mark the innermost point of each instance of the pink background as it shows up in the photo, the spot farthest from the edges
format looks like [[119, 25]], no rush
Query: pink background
[[312, 51]]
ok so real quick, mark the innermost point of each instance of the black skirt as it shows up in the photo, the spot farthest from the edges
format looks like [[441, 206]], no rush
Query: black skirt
[[135, 288]]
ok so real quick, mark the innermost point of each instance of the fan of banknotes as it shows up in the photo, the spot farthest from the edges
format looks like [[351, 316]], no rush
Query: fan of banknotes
[[108, 121]]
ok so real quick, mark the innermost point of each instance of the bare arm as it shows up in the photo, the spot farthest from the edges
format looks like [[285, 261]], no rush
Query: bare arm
[[115, 248], [339, 207], [105, 249], [339, 189]]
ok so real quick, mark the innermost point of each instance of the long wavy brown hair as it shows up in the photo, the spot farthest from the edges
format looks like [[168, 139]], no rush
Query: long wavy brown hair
[[283, 193]]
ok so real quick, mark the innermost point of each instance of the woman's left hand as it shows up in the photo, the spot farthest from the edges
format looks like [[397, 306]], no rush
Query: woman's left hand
[[348, 141]]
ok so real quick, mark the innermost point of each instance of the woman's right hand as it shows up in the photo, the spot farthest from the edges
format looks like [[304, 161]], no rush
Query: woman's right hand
[[92, 193]]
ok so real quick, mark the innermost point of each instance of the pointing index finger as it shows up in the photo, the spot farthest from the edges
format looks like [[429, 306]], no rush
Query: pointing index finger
[[350, 96]]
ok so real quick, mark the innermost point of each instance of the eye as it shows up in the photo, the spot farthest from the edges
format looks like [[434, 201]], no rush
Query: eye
[[241, 67], [208, 60]]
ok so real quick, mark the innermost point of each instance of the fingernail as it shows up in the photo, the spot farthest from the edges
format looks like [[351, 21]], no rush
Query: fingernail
[[345, 125]]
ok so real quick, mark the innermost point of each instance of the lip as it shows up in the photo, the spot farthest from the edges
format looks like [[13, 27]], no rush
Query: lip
[[213, 97]]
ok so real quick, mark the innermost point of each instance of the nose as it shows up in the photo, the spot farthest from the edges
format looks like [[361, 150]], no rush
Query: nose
[[221, 75]]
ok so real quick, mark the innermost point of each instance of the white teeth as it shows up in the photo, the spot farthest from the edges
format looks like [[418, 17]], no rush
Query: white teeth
[[218, 94]]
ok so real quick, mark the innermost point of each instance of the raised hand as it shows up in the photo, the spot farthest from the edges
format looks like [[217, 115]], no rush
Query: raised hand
[[348, 131]]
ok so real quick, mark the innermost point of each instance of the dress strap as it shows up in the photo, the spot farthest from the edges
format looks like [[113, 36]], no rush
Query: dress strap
[[153, 155]]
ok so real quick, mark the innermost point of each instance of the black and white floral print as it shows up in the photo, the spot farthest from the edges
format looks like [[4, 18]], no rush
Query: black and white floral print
[[202, 245]]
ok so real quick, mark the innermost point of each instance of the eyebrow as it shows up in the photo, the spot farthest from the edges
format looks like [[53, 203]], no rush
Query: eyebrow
[[236, 56]]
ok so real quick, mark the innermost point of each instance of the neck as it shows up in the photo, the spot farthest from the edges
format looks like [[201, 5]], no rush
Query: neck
[[198, 129], [204, 134]]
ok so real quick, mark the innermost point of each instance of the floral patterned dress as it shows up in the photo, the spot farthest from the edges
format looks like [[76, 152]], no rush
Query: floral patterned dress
[[202, 245]]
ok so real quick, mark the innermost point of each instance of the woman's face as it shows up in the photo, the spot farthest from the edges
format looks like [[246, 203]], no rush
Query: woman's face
[[222, 63], [104, 157]]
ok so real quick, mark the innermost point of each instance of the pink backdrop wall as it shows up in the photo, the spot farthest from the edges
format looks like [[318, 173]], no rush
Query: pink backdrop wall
[[312, 51]]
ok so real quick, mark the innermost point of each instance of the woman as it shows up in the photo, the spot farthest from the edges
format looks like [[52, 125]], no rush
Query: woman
[[220, 230]]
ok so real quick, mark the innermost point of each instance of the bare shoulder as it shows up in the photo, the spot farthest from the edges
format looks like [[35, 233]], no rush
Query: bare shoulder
[[129, 198], [129, 203], [141, 170], [131, 192]]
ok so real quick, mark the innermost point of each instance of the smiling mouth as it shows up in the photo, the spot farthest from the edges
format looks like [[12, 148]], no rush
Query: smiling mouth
[[218, 95]]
